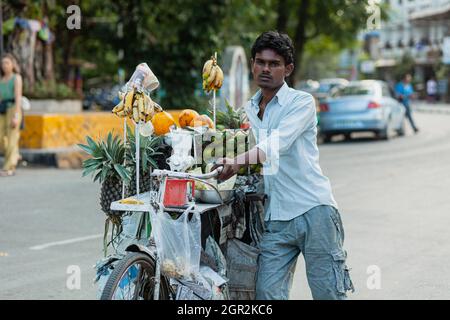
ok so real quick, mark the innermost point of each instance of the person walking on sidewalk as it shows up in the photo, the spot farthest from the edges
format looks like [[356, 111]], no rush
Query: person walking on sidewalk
[[10, 113], [404, 92], [301, 214], [432, 90]]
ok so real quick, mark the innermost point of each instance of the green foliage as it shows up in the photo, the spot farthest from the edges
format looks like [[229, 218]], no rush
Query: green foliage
[[231, 118], [52, 90], [107, 159], [148, 147], [176, 37], [107, 156], [404, 66]]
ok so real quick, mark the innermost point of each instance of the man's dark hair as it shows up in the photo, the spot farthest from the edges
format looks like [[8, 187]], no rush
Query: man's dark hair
[[278, 42]]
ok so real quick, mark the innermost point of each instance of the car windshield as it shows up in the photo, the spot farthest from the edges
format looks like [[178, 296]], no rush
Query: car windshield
[[358, 90]]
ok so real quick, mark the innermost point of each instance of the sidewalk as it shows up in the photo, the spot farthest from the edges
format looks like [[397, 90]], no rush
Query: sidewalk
[[423, 106]]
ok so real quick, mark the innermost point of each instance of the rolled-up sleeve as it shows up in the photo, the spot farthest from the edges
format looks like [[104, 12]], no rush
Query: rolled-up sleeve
[[300, 116]]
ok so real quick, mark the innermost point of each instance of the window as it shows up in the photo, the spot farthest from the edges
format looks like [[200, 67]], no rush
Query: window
[[386, 91], [356, 90]]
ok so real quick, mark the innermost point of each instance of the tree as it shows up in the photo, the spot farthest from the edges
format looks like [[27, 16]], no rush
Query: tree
[[308, 20]]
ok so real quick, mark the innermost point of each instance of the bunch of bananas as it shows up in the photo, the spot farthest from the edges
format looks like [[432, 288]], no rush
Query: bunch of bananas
[[212, 75], [137, 106]]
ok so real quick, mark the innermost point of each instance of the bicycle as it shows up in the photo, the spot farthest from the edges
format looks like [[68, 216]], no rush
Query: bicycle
[[136, 271]]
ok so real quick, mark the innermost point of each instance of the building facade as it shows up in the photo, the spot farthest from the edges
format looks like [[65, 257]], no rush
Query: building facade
[[414, 28]]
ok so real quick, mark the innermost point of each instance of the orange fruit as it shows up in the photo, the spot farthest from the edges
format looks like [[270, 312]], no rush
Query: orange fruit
[[186, 116], [162, 121], [202, 120]]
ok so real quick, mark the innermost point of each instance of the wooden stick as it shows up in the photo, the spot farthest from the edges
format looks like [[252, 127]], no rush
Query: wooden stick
[[125, 153], [214, 97]]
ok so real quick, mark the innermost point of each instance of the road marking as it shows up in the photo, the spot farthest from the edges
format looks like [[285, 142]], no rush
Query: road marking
[[64, 242]]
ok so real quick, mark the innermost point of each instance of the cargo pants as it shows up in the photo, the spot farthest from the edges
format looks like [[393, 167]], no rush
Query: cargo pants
[[319, 235]]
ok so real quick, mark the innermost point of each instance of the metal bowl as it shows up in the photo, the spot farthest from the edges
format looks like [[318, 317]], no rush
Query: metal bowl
[[212, 197]]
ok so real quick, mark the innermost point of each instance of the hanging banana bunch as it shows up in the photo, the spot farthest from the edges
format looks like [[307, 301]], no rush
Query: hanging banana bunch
[[137, 106], [212, 75]]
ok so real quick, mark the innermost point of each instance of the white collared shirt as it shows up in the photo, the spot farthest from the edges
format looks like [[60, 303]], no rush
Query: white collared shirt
[[287, 134]]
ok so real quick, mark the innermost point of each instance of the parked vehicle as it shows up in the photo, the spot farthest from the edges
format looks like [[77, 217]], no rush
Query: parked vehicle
[[362, 106], [328, 86], [309, 86], [101, 98]]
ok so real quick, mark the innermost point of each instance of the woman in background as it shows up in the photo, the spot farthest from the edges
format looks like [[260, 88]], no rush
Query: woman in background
[[10, 113]]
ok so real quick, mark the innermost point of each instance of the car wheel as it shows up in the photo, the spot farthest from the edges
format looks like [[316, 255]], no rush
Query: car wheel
[[383, 134], [401, 130], [326, 138]]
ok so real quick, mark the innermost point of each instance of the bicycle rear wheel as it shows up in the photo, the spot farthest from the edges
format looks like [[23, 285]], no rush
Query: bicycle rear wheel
[[133, 278]]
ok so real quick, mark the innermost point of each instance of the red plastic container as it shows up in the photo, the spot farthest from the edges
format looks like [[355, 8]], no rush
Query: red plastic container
[[176, 193]]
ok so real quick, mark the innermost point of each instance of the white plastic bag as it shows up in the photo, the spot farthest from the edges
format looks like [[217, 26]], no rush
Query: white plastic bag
[[178, 244], [143, 78]]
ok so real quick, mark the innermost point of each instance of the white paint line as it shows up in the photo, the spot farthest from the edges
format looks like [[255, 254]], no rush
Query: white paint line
[[64, 242]]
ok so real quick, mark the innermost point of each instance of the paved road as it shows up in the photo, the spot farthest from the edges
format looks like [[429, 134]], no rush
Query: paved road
[[395, 207], [393, 198]]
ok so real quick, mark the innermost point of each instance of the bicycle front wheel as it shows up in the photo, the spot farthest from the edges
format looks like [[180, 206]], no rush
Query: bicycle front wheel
[[133, 278]]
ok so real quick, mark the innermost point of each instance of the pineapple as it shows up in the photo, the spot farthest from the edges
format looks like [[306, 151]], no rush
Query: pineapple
[[231, 118], [107, 167], [111, 191]]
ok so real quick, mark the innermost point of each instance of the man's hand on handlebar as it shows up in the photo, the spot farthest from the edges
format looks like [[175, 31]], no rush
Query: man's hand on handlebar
[[230, 168]]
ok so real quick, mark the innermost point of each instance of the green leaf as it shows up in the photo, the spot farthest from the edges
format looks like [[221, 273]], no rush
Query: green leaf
[[90, 162], [91, 143], [153, 163], [144, 161], [123, 173], [109, 140], [105, 149], [89, 171], [104, 172], [97, 176], [85, 148]]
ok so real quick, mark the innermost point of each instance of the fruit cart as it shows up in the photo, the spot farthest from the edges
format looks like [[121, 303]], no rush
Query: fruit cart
[[228, 228], [184, 236]]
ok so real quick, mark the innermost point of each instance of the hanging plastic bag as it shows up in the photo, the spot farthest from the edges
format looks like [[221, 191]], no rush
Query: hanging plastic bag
[[178, 243], [143, 78]]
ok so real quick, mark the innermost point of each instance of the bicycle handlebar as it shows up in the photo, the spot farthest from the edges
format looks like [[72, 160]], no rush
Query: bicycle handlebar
[[185, 175]]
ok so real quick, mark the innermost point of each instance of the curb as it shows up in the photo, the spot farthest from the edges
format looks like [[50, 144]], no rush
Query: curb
[[61, 158], [431, 109]]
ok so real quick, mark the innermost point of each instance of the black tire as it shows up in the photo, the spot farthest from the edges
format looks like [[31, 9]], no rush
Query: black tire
[[326, 138], [383, 134], [147, 285], [401, 131]]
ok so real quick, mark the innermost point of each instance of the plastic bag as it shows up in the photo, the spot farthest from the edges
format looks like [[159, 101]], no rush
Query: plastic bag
[[178, 243], [143, 78]]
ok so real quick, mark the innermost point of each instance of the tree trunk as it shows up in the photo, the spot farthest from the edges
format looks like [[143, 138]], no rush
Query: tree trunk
[[68, 51], [49, 73], [299, 40], [283, 16], [22, 46]]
